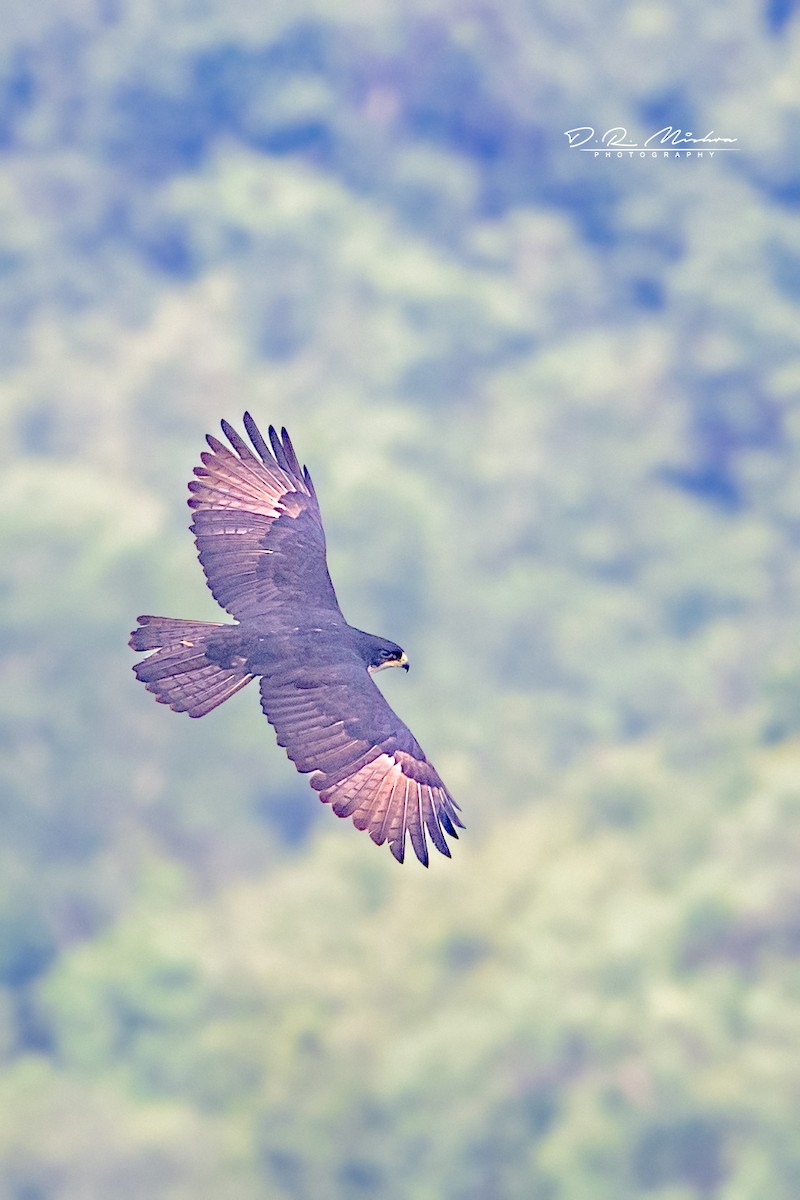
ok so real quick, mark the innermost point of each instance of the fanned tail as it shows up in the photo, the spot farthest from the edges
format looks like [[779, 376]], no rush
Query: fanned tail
[[179, 673]]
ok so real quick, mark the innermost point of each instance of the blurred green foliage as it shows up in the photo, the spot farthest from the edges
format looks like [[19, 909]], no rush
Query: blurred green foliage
[[550, 407]]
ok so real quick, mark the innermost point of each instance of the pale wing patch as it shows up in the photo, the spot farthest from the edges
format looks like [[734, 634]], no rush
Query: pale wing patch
[[383, 797], [225, 482]]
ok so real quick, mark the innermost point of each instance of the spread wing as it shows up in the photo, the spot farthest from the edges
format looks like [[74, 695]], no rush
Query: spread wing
[[258, 529], [367, 765]]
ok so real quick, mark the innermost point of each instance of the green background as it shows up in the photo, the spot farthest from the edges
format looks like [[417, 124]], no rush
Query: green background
[[550, 405]]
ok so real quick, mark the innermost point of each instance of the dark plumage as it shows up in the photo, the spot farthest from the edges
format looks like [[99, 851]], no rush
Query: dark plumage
[[260, 541]]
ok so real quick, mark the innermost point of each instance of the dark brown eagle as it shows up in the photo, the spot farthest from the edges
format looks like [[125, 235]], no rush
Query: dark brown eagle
[[260, 541]]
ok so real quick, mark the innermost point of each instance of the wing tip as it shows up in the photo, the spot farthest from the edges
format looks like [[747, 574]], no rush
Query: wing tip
[[278, 452], [421, 852], [397, 850], [256, 437], [429, 831]]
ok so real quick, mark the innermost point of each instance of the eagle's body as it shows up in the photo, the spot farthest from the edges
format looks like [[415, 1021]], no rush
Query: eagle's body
[[260, 541]]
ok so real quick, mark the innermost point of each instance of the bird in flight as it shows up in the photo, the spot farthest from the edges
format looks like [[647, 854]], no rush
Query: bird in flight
[[259, 537]]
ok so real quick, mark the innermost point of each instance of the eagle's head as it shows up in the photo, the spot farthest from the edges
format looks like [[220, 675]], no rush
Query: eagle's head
[[377, 652], [388, 655]]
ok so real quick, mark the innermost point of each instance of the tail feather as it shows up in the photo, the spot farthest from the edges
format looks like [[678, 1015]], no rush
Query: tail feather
[[178, 673]]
